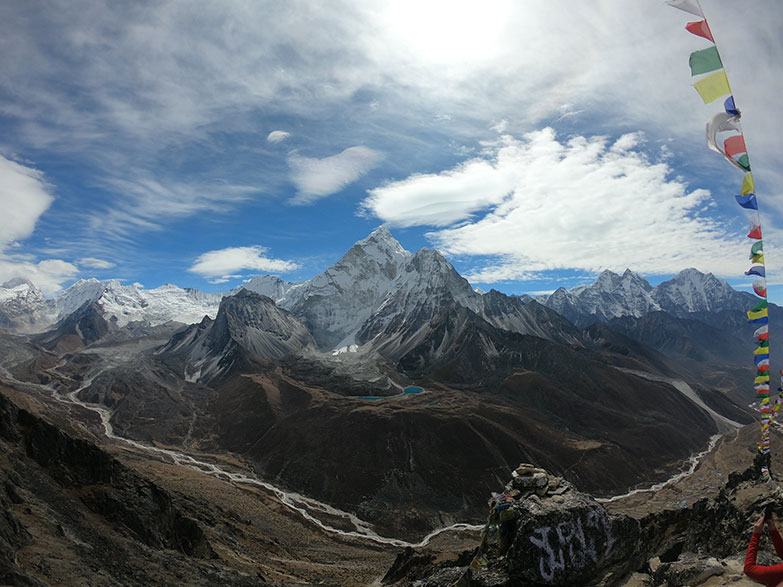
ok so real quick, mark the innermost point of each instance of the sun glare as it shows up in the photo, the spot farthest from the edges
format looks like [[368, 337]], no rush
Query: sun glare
[[448, 31]]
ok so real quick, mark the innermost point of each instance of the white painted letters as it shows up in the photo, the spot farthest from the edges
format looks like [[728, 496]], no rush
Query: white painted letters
[[573, 544]]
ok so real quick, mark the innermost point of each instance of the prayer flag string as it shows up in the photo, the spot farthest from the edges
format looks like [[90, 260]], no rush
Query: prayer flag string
[[711, 82]]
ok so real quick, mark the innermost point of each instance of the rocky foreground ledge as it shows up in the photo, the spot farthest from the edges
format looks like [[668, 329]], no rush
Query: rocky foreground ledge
[[542, 531]]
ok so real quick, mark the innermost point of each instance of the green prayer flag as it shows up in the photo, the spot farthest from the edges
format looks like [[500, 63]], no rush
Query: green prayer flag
[[763, 344], [744, 161], [757, 248], [705, 61], [760, 305]]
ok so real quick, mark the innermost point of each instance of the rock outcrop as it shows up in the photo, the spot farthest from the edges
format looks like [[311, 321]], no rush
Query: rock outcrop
[[542, 531]]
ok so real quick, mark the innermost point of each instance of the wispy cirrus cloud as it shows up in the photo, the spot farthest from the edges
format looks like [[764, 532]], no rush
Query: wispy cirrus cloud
[[147, 202], [586, 203], [224, 264]]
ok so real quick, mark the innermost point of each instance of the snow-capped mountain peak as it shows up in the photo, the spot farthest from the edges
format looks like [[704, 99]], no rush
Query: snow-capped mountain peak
[[381, 246], [335, 303], [122, 304], [693, 291], [78, 294], [23, 306], [629, 294], [610, 296]]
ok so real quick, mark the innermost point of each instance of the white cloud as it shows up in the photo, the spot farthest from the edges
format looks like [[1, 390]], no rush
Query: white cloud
[[277, 135], [500, 126], [544, 204], [48, 275], [225, 278], [147, 202], [444, 198], [24, 196], [223, 264], [93, 263], [316, 178]]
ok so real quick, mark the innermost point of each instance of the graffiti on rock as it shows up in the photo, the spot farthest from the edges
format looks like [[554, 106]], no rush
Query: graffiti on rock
[[573, 544]]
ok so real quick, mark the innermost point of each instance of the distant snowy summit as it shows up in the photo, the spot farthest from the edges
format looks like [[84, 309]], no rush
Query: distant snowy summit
[[629, 294], [24, 308]]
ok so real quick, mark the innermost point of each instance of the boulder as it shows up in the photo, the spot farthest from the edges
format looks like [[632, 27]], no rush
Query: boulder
[[689, 569]]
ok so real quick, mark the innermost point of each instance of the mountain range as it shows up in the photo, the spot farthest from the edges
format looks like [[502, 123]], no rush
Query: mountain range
[[310, 382]]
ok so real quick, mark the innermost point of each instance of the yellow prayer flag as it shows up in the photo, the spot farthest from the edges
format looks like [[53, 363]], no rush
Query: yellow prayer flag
[[762, 378], [747, 185], [760, 314], [764, 350], [713, 86]]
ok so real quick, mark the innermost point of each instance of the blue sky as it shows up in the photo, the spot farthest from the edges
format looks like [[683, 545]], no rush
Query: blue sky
[[534, 143]]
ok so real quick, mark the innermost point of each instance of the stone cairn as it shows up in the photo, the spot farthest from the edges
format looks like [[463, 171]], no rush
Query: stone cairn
[[527, 479]]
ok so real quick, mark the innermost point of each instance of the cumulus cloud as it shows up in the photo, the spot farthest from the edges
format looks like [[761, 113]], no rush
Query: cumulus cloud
[[223, 264], [317, 178], [540, 203], [24, 196], [277, 135], [443, 198], [93, 263]]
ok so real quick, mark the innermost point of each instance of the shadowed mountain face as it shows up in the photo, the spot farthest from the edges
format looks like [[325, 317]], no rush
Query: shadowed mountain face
[[308, 385], [83, 327], [248, 328]]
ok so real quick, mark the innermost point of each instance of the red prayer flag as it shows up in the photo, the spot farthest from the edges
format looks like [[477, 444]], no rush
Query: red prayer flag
[[755, 233], [735, 145], [700, 29], [760, 291], [764, 336], [762, 368]]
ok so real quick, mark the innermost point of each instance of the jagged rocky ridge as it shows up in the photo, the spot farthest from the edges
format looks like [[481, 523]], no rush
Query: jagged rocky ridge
[[612, 296], [248, 327]]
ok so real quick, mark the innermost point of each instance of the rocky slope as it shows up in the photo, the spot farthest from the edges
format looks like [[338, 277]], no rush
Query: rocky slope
[[78, 510]]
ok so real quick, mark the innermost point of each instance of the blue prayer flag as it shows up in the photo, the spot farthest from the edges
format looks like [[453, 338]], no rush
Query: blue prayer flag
[[748, 201], [758, 358], [729, 106]]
